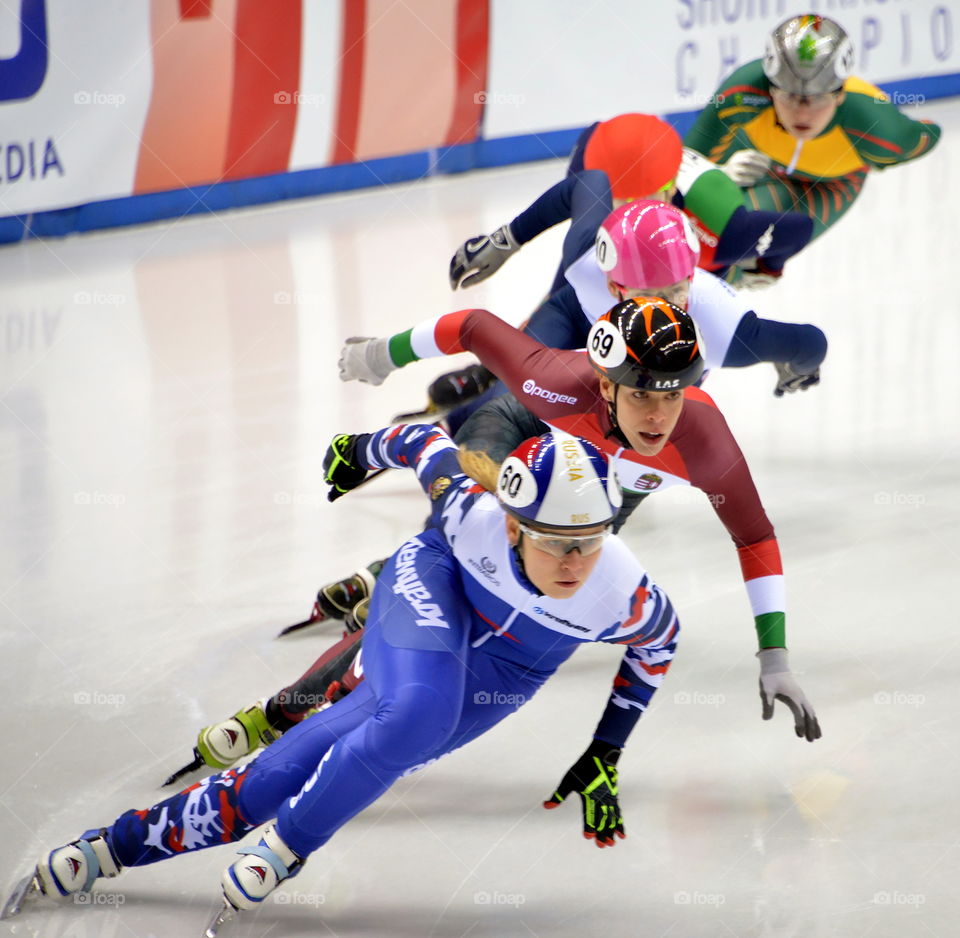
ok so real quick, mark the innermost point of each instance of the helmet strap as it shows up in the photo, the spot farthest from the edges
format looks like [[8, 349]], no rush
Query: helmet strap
[[521, 569], [615, 430]]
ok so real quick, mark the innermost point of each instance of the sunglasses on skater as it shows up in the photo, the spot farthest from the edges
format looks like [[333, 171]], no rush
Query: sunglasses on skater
[[559, 546]]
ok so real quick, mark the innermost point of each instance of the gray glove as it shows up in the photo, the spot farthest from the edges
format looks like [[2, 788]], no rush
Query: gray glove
[[481, 257], [745, 167], [790, 381], [365, 359], [777, 683]]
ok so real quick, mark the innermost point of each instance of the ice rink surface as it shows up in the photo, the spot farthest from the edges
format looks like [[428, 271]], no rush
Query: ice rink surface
[[166, 396]]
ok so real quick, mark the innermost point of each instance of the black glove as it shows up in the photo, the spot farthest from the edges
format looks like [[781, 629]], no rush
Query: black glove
[[594, 778], [340, 466], [480, 257]]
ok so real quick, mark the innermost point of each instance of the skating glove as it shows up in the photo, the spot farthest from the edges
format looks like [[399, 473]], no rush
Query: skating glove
[[777, 683], [594, 778], [481, 257], [341, 469], [790, 381], [745, 167], [365, 359]]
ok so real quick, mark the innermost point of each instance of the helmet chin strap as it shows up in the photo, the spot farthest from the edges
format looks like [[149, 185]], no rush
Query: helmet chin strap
[[518, 556], [615, 429]]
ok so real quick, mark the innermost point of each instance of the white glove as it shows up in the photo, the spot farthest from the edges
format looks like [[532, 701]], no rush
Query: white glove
[[756, 280], [365, 359], [745, 167], [777, 683]]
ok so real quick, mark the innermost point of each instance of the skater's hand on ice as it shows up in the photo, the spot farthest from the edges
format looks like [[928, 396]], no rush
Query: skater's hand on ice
[[777, 683], [745, 167], [594, 778], [341, 468], [365, 359], [481, 257]]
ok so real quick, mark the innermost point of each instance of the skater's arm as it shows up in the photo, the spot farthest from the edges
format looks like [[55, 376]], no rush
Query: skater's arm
[[882, 134], [721, 471], [551, 382], [650, 634]]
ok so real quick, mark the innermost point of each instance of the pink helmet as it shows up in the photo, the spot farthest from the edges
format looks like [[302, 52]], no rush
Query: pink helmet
[[647, 244]]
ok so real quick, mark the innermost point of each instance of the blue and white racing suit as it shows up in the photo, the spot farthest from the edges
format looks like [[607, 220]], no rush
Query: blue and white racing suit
[[457, 639]]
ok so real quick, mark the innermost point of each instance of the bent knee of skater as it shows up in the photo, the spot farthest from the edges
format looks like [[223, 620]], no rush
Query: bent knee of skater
[[412, 725], [264, 790]]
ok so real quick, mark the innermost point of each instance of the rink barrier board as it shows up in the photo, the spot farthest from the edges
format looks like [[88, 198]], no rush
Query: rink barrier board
[[344, 177]]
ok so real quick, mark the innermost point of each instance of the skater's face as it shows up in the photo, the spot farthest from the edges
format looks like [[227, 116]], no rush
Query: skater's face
[[647, 418], [805, 116], [555, 574], [677, 293]]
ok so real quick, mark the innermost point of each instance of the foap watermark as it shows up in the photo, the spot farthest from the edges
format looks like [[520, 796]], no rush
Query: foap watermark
[[99, 898], [300, 499], [699, 699], [300, 98], [282, 897], [911, 499], [97, 298], [286, 298], [98, 698], [297, 698], [687, 495], [109, 98], [699, 898], [113, 499], [483, 897], [898, 698], [915, 899], [490, 97], [900, 99], [498, 698]]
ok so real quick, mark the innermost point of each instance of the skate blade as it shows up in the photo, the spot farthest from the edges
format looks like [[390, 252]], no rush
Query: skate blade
[[193, 766], [25, 889], [226, 914]]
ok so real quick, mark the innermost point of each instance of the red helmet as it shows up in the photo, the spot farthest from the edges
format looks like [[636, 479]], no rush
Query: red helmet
[[639, 153]]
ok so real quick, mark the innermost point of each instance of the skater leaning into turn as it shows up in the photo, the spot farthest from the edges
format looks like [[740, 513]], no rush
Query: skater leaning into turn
[[662, 438], [639, 156], [685, 434], [467, 621], [647, 248], [798, 132], [633, 394]]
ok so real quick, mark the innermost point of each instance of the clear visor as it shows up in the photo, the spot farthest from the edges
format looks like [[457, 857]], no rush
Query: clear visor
[[816, 102], [559, 545]]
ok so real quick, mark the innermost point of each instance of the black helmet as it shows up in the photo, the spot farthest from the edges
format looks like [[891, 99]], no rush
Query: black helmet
[[646, 343]]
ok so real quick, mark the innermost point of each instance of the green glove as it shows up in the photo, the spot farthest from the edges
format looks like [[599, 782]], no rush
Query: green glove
[[594, 778], [341, 469]]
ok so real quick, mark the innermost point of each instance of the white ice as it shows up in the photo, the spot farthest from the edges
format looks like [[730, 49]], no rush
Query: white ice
[[166, 395]]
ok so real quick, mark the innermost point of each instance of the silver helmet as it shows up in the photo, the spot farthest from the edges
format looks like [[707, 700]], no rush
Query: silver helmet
[[808, 54]]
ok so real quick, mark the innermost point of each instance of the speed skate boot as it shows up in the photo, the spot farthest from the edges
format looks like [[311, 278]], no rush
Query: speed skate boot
[[337, 600], [789, 381], [224, 743], [252, 877], [457, 387], [69, 870]]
